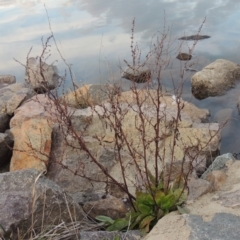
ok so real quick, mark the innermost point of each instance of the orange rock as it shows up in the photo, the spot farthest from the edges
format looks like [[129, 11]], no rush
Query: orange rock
[[32, 145]]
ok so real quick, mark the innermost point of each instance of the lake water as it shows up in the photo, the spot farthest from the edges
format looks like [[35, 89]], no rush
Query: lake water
[[94, 36]]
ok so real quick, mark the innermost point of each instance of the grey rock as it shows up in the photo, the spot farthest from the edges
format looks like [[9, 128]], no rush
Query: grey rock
[[83, 197], [7, 79], [12, 96], [218, 164], [111, 207], [41, 76], [6, 143], [70, 166], [223, 226], [138, 74], [215, 79], [27, 198], [100, 235], [197, 188]]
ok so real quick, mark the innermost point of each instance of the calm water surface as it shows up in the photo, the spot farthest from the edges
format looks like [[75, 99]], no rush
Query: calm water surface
[[94, 36]]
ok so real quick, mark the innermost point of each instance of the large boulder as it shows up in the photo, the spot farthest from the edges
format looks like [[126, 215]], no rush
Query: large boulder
[[41, 76], [29, 201], [215, 79], [32, 145], [71, 164], [31, 128], [138, 74]]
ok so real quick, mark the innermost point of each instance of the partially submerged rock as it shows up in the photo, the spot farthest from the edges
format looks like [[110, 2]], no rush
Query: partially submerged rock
[[138, 74], [184, 56], [215, 79], [194, 37]]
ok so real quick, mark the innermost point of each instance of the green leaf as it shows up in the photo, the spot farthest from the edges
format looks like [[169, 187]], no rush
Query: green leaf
[[168, 201], [158, 195], [183, 210], [137, 220], [105, 219], [145, 223], [118, 225], [144, 198], [144, 209]]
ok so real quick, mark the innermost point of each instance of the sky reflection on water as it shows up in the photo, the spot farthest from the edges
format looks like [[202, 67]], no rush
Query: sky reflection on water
[[95, 35]]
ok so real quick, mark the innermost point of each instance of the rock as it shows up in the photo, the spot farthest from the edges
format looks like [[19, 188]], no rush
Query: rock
[[111, 207], [138, 74], [34, 78], [38, 107], [32, 145], [218, 164], [190, 227], [6, 144], [222, 226], [11, 97], [149, 98], [88, 95], [197, 188], [184, 56], [100, 235], [29, 200], [217, 178], [194, 37], [214, 215], [8, 79], [164, 229], [67, 162], [83, 197], [215, 79]]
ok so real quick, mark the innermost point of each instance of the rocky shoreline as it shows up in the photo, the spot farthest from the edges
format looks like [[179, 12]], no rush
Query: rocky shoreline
[[38, 166]]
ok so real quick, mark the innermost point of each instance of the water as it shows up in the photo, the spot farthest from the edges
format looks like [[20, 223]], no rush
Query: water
[[94, 36]]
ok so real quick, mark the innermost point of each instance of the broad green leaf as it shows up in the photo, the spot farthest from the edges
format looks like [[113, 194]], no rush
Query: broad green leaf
[[183, 210], [158, 195], [168, 201], [144, 209], [118, 225], [105, 219], [137, 220], [145, 222], [144, 198]]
